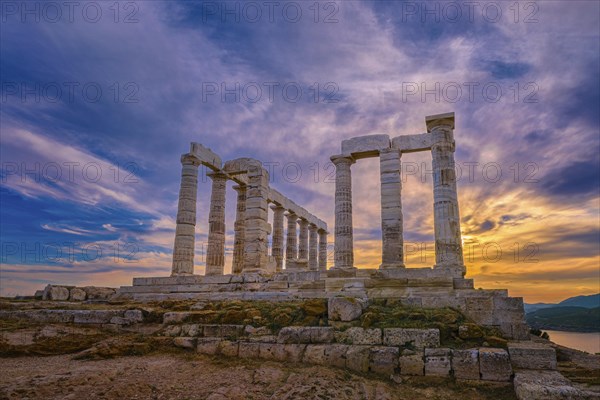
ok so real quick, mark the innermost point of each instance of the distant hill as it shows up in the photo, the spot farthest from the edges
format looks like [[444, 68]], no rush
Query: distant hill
[[590, 301], [577, 319]]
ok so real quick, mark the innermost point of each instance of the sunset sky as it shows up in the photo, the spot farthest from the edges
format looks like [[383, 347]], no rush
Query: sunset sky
[[99, 102]]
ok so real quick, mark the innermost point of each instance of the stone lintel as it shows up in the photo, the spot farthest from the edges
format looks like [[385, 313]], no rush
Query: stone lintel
[[439, 119], [206, 155], [365, 146], [413, 143]]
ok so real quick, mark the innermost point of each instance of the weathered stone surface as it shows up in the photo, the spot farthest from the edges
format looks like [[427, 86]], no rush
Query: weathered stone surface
[[95, 316], [134, 315], [303, 334], [412, 363], [172, 330], [335, 354], [531, 355], [228, 348], [470, 331], [365, 146], [357, 358], [494, 365], [77, 294], [208, 346], [99, 293], [547, 385], [437, 362], [383, 360], [193, 330], [465, 364], [417, 338], [359, 336], [344, 308], [59, 293], [184, 342], [175, 317], [315, 354], [248, 350]]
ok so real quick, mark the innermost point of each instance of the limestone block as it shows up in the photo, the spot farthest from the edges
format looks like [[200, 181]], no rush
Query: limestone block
[[193, 330], [95, 316], [461, 283], [77, 294], [294, 352], [212, 330], [134, 315], [249, 330], [184, 342], [345, 308], [231, 331], [59, 293], [437, 362], [365, 146], [99, 293], [248, 350], [172, 330], [465, 364], [531, 355], [294, 334], [359, 336], [417, 338], [494, 365], [383, 360], [228, 348], [271, 351], [357, 358], [547, 385], [412, 363], [315, 354], [336, 354], [321, 334], [208, 346], [175, 317], [38, 295]]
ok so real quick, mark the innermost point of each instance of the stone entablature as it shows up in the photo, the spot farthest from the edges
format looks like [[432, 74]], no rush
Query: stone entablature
[[251, 228], [439, 139]]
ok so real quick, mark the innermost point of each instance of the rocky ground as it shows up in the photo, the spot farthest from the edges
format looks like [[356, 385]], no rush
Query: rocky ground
[[180, 375]]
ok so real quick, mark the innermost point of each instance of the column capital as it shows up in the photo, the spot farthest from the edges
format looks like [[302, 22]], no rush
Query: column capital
[[438, 120], [291, 215], [302, 221], [238, 188], [277, 207], [190, 159], [312, 227], [342, 160]]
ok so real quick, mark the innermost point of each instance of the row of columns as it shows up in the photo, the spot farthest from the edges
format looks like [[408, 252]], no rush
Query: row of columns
[[250, 227], [448, 244]]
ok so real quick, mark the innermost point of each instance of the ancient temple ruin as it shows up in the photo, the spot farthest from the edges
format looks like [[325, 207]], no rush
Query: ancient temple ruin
[[304, 274]]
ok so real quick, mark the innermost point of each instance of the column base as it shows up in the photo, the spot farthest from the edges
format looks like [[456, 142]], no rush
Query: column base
[[392, 266]]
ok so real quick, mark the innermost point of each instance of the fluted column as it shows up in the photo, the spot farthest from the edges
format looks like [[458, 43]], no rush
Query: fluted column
[[313, 263], [303, 240], [391, 209], [239, 230], [215, 256], [291, 247], [183, 249], [448, 246], [322, 250], [257, 225], [344, 248], [277, 242]]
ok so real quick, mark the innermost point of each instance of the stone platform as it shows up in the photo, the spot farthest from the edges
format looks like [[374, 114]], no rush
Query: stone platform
[[419, 287]]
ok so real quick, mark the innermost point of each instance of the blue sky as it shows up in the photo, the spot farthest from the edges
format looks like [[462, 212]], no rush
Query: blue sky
[[98, 104]]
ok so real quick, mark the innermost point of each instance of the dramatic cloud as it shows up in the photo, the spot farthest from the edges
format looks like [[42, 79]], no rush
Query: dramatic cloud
[[123, 96]]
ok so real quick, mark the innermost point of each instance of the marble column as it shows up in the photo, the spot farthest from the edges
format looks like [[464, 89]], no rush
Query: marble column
[[344, 248], [391, 209], [303, 240], [277, 242], [239, 230], [313, 263], [183, 249], [257, 224], [448, 244], [322, 250], [215, 255], [291, 247]]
